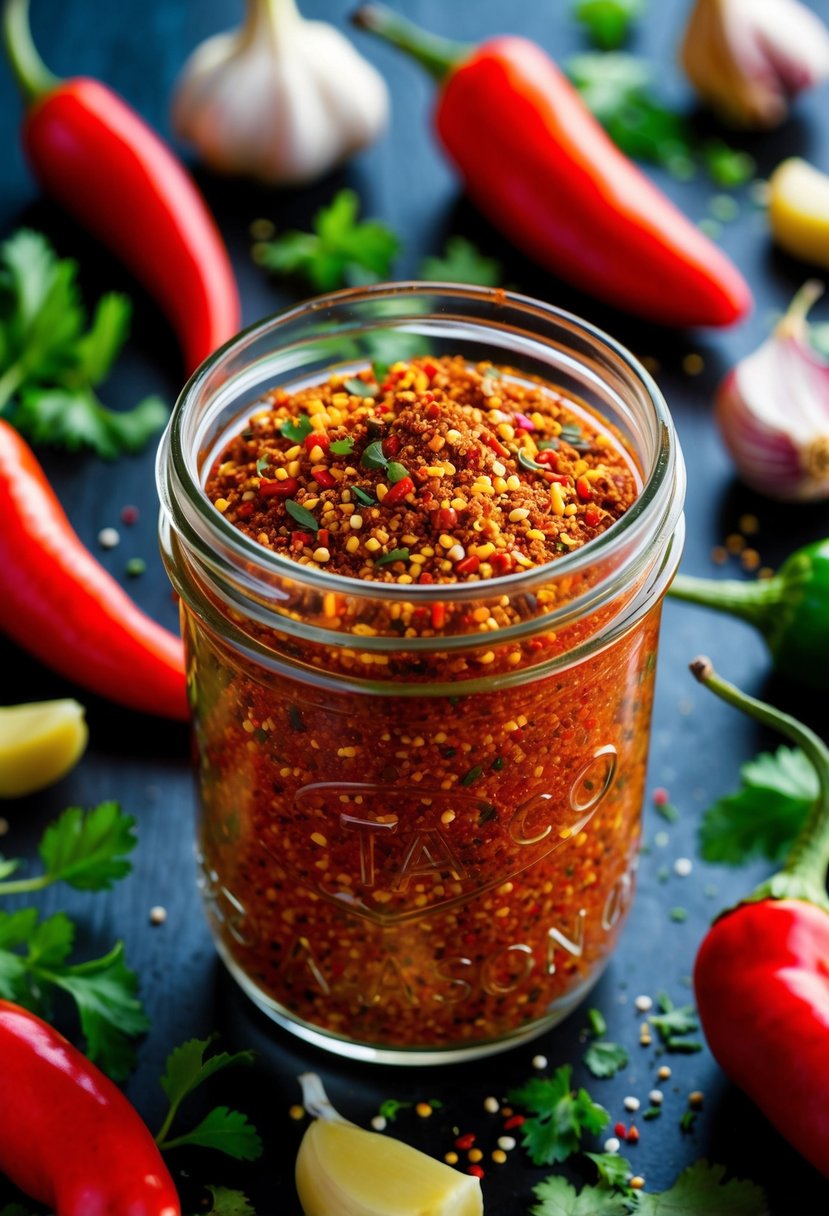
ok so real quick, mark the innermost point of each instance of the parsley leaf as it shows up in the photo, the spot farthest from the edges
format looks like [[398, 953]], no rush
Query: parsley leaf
[[50, 362], [342, 447], [559, 1198], [614, 1171], [223, 1129], [86, 849], [341, 249], [606, 1059], [296, 429], [395, 555], [561, 1116], [365, 499], [229, 1203], [764, 816], [700, 1189], [374, 457], [462, 262], [608, 22]]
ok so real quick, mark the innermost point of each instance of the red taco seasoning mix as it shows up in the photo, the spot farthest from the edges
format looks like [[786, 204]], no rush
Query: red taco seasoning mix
[[421, 540]]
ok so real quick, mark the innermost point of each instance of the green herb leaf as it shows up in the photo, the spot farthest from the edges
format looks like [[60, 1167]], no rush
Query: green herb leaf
[[396, 555], [561, 1116], [227, 1131], [396, 472], [188, 1068], [678, 915], [614, 1171], [606, 1059], [302, 515], [726, 166], [86, 849], [50, 362], [765, 815], [342, 447], [686, 1123], [673, 1021], [462, 262], [608, 22], [374, 457], [362, 497], [526, 461], [558, 1198], [390, 1108], [296, 429], [262, 465], [653, 1112], [472, 775], [700, 1190], [229, 1203], [340, 250], [360, 388], [596, 1023], [667, 811], [572, 433]]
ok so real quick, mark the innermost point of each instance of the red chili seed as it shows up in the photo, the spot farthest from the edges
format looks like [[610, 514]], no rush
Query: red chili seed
[[547, 456], [444, 519], [391, 446], [244, 510], [323, 478], [300, 539], [475, 1171], [317, 439], [633, 1135], [398, 492], [583, 489], [279, 489], [466, 1141], [515, 1121], [660, 797], [469, 565], [620, 1131], [592, 517], [502, 563]]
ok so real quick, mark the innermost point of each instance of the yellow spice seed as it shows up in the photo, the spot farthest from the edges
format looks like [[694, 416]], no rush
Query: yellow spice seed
[[372, 544], [750, 559], [735, 543], [423, 1109], [748, 524], [346, 753], [637, 1182], [474, 1156], [535, 534], [321, 554], [499, 1156], [765, 572], [296, 1112], [719, 555], [696, 1099], [319, 839], [557, 499], [450, 1158], [693, 364]]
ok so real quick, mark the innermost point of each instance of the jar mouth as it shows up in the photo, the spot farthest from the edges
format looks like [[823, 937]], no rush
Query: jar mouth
[[524, 331]]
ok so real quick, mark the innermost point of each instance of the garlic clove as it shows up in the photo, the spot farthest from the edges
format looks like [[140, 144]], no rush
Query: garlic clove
[[342, 1170], [282, 100], [773, 411], [40, 742], [798, 210], [748, 58]]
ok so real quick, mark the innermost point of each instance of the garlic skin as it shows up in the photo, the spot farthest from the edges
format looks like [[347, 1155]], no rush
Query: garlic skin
[[773, 411], [282, 99], [342, 1170], [748, 58]]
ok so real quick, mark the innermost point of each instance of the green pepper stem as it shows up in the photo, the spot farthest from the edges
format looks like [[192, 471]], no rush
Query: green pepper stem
[[803, 875], [31, 73], [23, 886], [439, 56]]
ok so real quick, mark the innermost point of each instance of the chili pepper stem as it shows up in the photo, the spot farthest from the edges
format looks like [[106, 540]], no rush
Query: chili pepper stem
[[439, 56], [803, 875], [33, 77], [10, 382], [763, 603]]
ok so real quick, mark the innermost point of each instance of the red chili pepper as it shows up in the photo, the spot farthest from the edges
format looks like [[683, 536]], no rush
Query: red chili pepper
[[502, 563], [324, 478], [300, 539], [584, 489], [278, 489], [761, 972], [444, 519], [60, 604], [391, 446], [547, 456], [317, 439], [468, 565], [398, 492], [68, 1137], [495, 445], [98, 158], [540, 168]]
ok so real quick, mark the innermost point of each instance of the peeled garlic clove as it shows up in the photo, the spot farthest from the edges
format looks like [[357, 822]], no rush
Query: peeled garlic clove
[[342, 1170], [798, 209], [39, 743], [748, 58], [773, 411], [282, 99]]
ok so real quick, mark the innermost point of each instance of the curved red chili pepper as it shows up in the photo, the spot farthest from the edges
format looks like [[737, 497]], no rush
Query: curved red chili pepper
[[539, 166], [68, 1137], [761, 976], [93, 154], [60, 604]]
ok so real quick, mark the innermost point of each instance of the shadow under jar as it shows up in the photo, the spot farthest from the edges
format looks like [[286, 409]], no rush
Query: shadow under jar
[[420, 803]]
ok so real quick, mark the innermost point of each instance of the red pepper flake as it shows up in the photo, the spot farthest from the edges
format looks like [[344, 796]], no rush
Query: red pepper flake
[[495, 445], [502, 563], [515, 1121], [660, 797], [279, 489], [398, 492], [324, 537], [317, 439], [633, 1135], [391, 446], [475, 1171], [438, 616], [431, 369], [592, 517], [300, 539], [583, 489], [620, 1131], [466, 1141], [547, 456], [444, 519], [469, 565], [433, 412], [324, 478], [425, 577], [244, 510], [129, 515]]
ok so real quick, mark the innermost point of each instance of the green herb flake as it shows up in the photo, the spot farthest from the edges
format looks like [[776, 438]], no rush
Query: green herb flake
[[498, 763], [472, 776], [687, 1121], [672, 1020], [653, 1112], [726, 166], [572, 433], [596, 1024], [667, 811], [365, 500], [359, 388], [302, 515], [527, 462], [374, 457], [262, 465], [296, 429], [607, 22], [606, 1059], [560, 1116], [462, 262], [678, 915], [229, 1203], [391, 1107], [396, 555], [342, 447], [135, 567], [295, 718]]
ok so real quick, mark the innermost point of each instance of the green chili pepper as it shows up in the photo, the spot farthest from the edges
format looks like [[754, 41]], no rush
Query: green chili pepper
[[791, 610]]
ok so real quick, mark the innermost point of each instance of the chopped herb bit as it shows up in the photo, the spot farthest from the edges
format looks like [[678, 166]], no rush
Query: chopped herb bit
[[678, 915], [663, 874], [653, 1112], [135, 567], [606, 1059], [668, 811], [396, 555], [301, 514], [360, 388], [498, 763], [262, 463], [396, 472], [296, 429], [362, 497], [726, 166], [596, 1024], [572, 433], [560, 1116], [686, 1123], [462, 262], [390, 1108], [684, 1047], [374, 457], [614, 1171], [608, 22], [295, 718], [486, 813], [673, 1021], [435, 1103], [544, 445], [342, 447], [472, 776]]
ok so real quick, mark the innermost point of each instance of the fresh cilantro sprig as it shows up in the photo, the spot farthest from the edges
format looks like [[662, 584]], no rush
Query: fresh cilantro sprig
[[33, 966], [340, 250], [607, 22], [606, 1059], [229, 1131], [84, 849], [614, 1171], [462, 262], [52, 360], [560, 1116], [228, 1203], [766, 813], [557, 1197], [698, 1191], [391, 1107]]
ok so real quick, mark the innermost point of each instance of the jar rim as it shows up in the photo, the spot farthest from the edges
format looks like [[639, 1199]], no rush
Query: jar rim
[[187, 505]]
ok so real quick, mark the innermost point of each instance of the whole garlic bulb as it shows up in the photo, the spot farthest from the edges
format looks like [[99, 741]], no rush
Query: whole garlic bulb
[[282, 99], [773, 410], [748, 58]]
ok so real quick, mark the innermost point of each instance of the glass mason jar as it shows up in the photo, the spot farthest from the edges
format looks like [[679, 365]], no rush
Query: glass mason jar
[[419, 828]]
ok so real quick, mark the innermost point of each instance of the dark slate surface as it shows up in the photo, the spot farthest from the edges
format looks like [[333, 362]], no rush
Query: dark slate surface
[[137, 46]]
